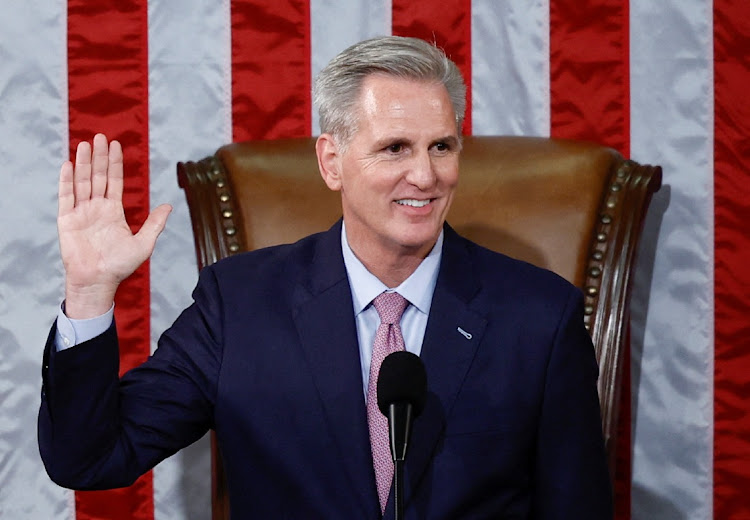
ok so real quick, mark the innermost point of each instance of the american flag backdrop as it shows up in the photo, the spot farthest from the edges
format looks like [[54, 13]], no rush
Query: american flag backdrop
[[664, 81]]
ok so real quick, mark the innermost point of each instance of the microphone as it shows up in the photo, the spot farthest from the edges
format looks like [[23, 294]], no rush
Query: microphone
[[402, 392]]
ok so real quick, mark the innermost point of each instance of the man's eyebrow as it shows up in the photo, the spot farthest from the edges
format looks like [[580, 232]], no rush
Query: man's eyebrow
[[388, 141], [450, 140]]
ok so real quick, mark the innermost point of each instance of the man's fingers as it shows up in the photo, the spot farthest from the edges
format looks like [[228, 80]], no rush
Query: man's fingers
[[82, 172], [66, 198], [115, 176], [99, 164], [154, 225]]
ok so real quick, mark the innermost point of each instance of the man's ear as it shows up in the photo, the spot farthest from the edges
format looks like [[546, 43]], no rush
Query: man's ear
[[329, 161]]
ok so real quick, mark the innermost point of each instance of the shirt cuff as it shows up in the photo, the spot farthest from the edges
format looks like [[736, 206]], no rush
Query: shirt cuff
[[72, 332]]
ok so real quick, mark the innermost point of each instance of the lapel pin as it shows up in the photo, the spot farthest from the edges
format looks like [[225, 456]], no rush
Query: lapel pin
[[465, 334]]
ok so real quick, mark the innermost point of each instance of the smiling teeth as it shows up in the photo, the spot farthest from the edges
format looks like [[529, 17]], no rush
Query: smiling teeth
[[413, 202]]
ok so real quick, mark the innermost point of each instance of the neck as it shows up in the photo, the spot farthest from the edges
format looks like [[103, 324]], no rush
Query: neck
[[392, 273], [390, 267]]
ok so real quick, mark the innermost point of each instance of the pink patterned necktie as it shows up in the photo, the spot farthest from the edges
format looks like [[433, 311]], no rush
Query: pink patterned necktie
[[388, 339]]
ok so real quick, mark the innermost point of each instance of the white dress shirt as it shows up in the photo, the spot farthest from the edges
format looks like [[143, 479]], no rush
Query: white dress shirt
[[72, 332], [417, 289]]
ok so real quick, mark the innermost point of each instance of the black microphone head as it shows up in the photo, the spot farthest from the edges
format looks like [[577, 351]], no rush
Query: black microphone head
[[402, 379]]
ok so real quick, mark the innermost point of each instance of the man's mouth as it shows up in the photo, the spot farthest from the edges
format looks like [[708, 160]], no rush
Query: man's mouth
[[415, 203]]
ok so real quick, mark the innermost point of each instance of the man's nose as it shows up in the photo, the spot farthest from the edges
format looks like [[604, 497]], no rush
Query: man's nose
[[421, 171]]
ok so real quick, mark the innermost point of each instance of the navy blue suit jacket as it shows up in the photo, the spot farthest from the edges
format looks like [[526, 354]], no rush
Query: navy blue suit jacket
[[267, 356]]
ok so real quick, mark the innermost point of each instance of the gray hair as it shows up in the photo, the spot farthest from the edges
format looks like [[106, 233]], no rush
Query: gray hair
[[337, 87]]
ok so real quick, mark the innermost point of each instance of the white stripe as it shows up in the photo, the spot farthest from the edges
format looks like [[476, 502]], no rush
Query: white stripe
[[189, 118], [510, 67], [33, 144], [671, 124], [335, 25]]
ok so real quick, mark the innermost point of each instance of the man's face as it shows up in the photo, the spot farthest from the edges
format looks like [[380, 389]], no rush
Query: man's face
[[398, 173]]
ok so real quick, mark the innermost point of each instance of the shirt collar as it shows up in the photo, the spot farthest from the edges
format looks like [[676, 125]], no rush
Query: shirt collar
[[417, 289]]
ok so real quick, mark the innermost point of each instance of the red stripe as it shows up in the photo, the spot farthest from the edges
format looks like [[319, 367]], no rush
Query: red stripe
[[732, 259], [590, 99], [589, 71], [271, 69], [108, 92], [444, 22]]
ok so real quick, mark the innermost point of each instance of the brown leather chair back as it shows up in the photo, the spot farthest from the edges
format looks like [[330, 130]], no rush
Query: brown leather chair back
[[572, 207]]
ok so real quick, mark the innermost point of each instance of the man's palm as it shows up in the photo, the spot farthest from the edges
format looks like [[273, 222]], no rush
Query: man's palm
[[97, 246]]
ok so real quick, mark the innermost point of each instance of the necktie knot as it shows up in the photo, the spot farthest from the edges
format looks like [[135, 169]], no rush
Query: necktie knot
[[390, 307]]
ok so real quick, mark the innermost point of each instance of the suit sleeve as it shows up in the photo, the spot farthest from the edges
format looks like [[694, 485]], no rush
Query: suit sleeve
[[572, 477], [100, 431]]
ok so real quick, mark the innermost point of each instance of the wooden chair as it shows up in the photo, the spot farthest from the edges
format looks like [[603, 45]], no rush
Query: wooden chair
[[572, 207]]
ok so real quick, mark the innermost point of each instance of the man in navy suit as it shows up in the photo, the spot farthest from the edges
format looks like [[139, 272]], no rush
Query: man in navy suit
[[274, 353]]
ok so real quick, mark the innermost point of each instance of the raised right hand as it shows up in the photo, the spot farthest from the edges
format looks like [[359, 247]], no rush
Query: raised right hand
[[97, 247]]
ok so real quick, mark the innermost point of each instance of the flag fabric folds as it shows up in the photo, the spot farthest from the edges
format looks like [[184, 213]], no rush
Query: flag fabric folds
[[662, 82]]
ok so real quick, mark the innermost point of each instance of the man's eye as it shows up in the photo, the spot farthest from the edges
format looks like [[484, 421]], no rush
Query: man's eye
[[442, 147], [395, 148]]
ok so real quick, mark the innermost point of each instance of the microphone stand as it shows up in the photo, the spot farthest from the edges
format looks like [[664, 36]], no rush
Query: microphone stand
[[400, 417], [398, 488]]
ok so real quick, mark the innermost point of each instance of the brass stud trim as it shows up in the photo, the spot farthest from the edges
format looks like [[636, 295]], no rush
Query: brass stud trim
[[594, 271], [225, 207]]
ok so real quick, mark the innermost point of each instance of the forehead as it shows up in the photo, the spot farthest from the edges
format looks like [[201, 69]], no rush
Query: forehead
[[387, 99]]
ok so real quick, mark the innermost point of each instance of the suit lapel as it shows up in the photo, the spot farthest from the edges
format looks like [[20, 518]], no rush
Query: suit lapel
[[325, 323], [447, 352]]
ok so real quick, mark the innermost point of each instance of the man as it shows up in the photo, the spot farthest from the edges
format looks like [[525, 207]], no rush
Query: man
[[275, 353]]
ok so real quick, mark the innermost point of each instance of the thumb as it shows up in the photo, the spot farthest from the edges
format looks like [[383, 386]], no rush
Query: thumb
[[154, 225]]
